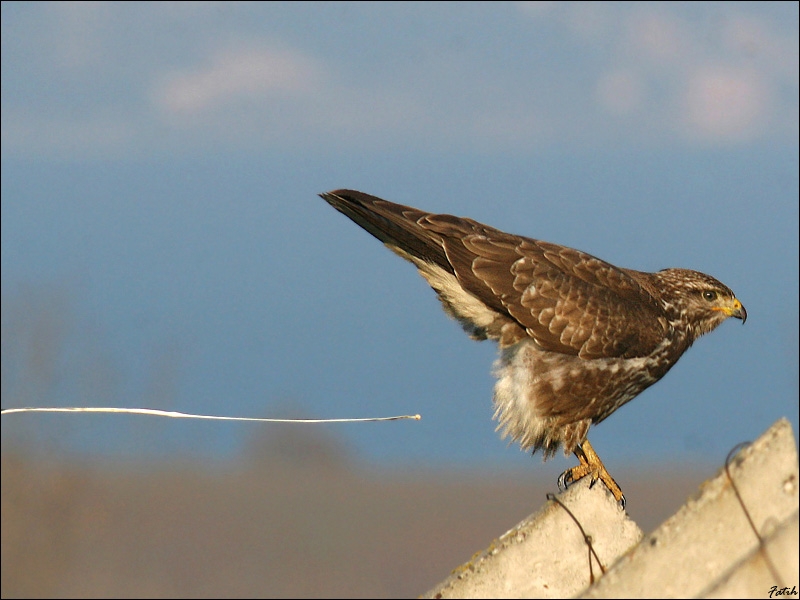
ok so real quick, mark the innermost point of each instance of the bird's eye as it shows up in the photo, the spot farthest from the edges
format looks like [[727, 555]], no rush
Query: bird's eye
[[710, 295]]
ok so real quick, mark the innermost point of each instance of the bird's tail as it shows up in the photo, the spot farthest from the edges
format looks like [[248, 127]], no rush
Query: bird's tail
[[396, 225]]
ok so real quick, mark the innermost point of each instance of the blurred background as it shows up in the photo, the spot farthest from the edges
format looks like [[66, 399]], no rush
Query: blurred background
[[163, 246]]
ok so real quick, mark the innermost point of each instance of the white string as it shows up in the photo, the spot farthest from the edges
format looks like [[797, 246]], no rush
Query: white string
[[180, 415]]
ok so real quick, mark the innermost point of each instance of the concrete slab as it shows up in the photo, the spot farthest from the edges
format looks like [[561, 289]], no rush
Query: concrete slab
[[710, 534], [737, 537], [547, 554]]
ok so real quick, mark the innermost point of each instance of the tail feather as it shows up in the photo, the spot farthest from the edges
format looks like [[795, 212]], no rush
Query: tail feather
[[395, 225]]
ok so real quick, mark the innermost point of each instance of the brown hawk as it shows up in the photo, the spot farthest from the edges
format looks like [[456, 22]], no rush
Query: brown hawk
[[578, 337]]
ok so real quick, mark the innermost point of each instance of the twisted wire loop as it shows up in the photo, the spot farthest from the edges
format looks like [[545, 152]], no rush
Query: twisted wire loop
[[586, 538], [762, 549]]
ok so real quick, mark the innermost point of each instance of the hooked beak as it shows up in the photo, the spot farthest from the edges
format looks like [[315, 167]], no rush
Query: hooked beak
[[734, 309]]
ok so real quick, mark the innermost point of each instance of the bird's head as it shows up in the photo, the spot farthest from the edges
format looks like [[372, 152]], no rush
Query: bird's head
[[698, 300]]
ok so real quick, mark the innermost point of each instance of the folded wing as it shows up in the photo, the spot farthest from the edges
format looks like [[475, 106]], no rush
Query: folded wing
[[508, 287]]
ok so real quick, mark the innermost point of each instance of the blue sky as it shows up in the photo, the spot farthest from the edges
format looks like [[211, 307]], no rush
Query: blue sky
[[163, 245]]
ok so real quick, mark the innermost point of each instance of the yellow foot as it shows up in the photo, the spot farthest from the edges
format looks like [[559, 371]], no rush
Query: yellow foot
[[593, 466]]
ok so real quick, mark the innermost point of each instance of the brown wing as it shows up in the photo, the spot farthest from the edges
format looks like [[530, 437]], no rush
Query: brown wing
[[567, 300]]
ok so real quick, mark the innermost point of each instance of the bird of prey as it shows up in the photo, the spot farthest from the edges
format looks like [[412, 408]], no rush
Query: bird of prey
[[577, 336]]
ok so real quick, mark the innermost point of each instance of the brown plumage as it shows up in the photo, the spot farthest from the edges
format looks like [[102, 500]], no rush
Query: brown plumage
[[578, 337]]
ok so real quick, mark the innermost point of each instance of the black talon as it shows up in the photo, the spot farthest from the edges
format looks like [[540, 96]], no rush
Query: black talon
[[564, 481]]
